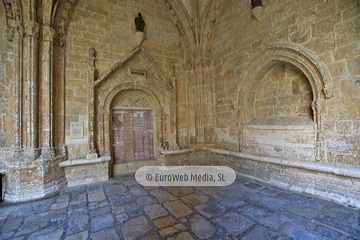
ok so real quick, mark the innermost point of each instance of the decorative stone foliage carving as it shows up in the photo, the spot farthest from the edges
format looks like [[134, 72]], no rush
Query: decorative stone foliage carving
[[31, 29], [133, 101], [13, 16]]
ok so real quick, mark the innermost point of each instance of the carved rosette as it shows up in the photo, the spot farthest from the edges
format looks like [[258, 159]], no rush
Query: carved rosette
[[31, 29], [48, 34]]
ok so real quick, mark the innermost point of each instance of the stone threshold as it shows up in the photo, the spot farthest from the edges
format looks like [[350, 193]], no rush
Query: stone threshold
[[170, 152], [84, 161], [340, 170]]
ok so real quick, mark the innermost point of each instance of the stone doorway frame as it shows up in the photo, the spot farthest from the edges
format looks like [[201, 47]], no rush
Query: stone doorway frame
[[153, 110], [309, 64], [160, 120]]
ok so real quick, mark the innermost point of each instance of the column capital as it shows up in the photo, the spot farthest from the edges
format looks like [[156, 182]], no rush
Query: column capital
[[48, 34], [15, 29], [31, 29]]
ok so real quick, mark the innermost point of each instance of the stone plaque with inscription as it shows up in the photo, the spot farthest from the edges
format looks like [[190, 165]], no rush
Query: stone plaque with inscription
[[76, 130]]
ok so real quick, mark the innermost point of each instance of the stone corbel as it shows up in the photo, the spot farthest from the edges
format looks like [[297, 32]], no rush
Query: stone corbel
[[328, 92], [258, 13]]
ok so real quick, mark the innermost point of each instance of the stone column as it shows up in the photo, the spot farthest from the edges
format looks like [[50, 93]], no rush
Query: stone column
[[173, 140], [30, 91], [199, 98], [15, 35], [91, 106], [46, 93]]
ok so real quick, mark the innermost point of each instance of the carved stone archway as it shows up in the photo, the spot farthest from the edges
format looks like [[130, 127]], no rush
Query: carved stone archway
[[313, 68]]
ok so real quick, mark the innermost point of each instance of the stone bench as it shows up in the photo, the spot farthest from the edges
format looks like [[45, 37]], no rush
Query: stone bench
[[84, 171]]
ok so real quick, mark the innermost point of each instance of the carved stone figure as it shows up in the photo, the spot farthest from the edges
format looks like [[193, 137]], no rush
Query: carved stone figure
[[139, 23], [168, 5], [256, 3]]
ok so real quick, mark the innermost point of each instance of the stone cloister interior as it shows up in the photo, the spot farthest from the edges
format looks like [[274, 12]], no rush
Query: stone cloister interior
[[269, 88]]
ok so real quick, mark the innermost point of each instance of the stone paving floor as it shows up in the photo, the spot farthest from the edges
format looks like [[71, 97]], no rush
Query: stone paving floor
[[122, 209]]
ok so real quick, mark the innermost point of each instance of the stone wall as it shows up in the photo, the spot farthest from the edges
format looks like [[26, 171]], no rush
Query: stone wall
[[284, 91], [321, 180], [4, 87], [109, 28], [329, 30], [212, 68]]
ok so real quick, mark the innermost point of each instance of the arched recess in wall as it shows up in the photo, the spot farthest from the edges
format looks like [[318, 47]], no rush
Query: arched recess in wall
[[138, 106], [321, 88]]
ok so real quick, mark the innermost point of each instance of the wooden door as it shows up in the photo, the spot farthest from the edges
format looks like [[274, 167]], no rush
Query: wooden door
[[133, 135]]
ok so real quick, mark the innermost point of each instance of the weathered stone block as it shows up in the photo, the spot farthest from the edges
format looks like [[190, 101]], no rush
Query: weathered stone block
[[322, 44], [353, 66], [325, 26], [347, 32], [325, 9]]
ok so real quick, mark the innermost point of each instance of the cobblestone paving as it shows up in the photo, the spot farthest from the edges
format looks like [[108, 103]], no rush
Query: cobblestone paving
[[122, 209]]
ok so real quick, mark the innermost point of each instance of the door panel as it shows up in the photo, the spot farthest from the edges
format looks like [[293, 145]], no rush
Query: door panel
[[133, 135]]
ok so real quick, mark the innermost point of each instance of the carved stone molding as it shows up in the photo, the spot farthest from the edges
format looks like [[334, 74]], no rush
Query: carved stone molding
[[31, 29], [312, 66], [48, 34], [118, 64]]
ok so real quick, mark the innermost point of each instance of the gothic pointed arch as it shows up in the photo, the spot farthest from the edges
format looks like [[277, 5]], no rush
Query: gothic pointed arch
[[309, 64]]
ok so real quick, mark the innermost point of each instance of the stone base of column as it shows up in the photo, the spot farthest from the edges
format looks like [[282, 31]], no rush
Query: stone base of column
[[30, 176]]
